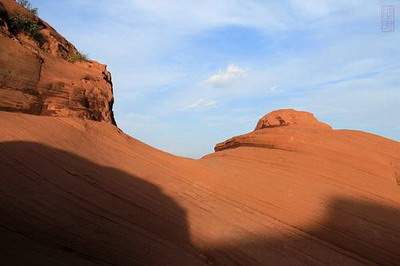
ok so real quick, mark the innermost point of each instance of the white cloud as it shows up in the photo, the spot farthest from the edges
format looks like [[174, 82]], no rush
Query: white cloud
[[272, 89], [227, 76], [317, 8], [196, 15], [200, 103], [191, 16]]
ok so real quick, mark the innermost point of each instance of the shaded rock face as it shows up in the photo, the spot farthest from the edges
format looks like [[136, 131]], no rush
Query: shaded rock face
[[268, 132], [37, 75]]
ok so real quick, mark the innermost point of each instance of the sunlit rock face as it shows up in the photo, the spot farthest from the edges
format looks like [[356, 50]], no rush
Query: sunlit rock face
[[290, 117], [44, 74], [278, 130]]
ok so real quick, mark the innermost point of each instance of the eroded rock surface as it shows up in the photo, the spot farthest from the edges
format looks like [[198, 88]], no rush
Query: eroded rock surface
[[277, 130], [37, 75], [290, 117]]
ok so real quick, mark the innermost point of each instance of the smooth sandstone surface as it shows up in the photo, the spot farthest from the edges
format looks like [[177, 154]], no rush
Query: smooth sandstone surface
[[84, 193]]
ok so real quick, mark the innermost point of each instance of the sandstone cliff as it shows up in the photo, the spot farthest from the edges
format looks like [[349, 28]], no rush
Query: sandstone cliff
[[42, 73]]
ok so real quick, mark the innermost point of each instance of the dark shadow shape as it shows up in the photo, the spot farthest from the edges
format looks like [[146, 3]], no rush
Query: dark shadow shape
[[57, 208], [60, 209], [353, 232]]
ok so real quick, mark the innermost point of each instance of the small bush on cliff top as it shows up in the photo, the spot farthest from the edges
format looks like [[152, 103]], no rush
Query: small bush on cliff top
[[26, 25], [28, 6], [78, 56]]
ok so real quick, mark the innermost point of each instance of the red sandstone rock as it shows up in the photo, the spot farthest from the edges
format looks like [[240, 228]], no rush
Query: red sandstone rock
[[270, 128], [37, 78], [75, 192], [290, 117]]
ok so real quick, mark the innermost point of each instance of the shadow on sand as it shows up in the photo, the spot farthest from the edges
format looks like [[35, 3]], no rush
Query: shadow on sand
[[57, 208]]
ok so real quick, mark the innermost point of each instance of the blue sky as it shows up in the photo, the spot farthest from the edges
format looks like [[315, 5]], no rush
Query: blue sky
[[188, 74]]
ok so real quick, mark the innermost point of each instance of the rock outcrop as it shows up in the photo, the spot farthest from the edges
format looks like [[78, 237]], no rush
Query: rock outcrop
[[277, 130], [41, 73], [290, 117]]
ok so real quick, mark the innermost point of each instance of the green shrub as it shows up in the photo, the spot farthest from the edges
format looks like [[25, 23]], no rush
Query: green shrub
[[78, 56], [26, 25], [27, 5]]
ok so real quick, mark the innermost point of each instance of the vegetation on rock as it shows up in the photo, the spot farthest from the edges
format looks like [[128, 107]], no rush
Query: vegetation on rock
[[78, 56], [28, 6], [21, 24]]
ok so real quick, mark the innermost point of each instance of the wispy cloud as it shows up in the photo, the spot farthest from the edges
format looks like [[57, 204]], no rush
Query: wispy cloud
[[200, 104], [225, 77], [272, 89]]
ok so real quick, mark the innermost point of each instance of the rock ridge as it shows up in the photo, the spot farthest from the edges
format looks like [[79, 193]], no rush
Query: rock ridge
[[275, 130], [290, 117]]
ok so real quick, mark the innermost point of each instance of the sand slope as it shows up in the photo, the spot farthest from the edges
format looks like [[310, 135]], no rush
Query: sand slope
[[76, 192]]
